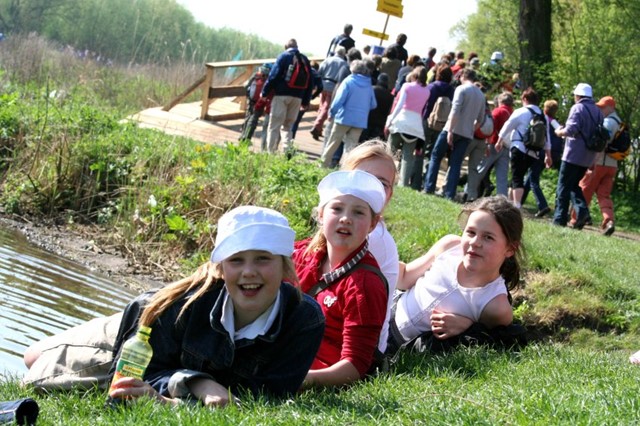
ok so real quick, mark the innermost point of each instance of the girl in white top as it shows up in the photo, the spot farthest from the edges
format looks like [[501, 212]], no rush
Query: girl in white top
[[469, 276]]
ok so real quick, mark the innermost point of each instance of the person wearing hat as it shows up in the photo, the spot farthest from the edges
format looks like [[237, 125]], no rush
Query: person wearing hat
[[584, 117], [599, 178], [337, 269], [235, 325]]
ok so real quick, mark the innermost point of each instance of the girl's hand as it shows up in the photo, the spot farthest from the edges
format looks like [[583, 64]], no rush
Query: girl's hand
[[129, 387], [445, 325], [211, 393]]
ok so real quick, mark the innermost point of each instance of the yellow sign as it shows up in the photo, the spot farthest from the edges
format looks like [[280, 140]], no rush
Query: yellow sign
[[390, 10], [375, 34], [394, 4]]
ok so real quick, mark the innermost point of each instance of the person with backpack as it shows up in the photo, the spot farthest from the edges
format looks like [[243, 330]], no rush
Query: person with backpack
[[532, 182], [524, 135], [290, 81], [435, 113], [255, 107], [329, 72], [599, 178], [583, 120]]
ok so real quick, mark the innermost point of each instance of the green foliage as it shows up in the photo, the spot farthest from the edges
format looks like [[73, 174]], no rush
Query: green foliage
[[157, 31]]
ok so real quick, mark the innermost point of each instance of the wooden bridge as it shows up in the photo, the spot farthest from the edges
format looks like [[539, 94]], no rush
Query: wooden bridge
[[218, 116]]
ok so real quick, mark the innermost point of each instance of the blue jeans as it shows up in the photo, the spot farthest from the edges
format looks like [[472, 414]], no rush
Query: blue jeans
[[569, 190], [532, 183], [460, 145]]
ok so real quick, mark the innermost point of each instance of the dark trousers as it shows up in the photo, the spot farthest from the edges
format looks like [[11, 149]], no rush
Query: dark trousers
[[569, 191]]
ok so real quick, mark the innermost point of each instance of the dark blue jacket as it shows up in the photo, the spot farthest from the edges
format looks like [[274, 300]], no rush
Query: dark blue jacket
[[276, 80], [274, 364], [437, 89]]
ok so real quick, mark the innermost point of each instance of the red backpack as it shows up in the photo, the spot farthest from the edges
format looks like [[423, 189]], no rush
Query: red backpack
[[298, 74]]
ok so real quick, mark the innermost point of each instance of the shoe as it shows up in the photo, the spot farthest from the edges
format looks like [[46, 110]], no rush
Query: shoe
[[316, 134], [588, 221], [609, 229], [576, 225], [543, 212]]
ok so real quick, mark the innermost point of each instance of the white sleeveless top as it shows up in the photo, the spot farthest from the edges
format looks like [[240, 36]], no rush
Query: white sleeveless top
[[439, 288]]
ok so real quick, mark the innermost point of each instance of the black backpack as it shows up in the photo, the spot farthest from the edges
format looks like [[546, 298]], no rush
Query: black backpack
[[536, 131], [599, 138], [298, 74], [620, 146]]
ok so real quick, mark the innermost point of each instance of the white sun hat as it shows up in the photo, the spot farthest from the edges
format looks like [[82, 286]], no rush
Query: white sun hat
[[583, 89], [360, 184], [252, 228]]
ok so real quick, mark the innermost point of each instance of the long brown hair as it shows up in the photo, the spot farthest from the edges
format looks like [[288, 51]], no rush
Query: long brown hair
[[202, 280], [510, 220]]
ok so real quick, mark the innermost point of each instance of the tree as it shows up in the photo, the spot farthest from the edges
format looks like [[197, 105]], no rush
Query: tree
[[534, 35]]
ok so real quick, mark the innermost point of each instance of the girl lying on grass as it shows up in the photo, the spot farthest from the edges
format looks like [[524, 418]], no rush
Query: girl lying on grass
[[236, 325], [469, 278], [336, 267]]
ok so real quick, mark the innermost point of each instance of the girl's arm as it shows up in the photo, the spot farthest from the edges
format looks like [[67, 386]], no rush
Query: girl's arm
[[497, 312], [341, 373], [410, 272]]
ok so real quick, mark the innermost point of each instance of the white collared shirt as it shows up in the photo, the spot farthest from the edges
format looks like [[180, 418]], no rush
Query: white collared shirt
[[259, 327]]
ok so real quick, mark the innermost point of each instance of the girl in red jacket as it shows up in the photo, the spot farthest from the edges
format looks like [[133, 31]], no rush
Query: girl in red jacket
[[337, 269]]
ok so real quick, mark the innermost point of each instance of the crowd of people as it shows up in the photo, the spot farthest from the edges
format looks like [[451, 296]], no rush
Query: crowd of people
[[271, 315]]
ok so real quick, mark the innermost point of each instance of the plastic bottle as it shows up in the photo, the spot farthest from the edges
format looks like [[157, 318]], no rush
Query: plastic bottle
[[134, 358]]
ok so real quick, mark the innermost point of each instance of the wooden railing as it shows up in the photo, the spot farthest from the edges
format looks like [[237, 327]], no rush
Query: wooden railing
[[213, 89]]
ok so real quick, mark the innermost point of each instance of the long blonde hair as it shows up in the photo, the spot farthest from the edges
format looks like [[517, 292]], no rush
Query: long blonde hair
[[206, 277]]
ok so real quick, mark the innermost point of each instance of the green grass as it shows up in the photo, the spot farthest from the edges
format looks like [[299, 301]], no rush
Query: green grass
[[542, 384]]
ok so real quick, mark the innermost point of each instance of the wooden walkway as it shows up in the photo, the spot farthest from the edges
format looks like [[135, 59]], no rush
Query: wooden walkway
[[182, 120]]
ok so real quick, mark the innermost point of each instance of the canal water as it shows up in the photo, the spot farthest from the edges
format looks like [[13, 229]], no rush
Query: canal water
[[42, 294]]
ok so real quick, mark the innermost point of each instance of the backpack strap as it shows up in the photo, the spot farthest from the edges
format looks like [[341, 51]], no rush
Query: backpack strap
[[323, 284]]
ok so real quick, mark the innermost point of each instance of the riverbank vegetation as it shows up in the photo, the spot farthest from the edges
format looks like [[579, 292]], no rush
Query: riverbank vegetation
[[66, 156]]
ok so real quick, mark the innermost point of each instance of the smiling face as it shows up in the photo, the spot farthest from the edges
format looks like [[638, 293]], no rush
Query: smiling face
[[485, 247], [252, 278], [346, 222]]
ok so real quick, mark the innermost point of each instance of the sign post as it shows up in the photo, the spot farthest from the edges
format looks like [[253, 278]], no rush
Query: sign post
[[391, 8]]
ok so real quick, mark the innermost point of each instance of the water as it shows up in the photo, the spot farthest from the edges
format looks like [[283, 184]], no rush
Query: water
[[42, 294]]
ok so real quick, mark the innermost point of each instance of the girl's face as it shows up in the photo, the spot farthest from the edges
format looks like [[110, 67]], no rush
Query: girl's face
[[252, 278], [346, 222], [485, 246], [384, 170]]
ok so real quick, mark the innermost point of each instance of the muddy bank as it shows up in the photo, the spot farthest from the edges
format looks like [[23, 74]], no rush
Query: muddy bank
[[86, 246]]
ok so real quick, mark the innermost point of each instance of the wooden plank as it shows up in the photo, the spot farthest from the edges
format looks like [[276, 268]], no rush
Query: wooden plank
[[186, 93]]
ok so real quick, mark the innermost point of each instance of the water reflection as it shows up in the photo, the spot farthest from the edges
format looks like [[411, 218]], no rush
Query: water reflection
[[42, 294]]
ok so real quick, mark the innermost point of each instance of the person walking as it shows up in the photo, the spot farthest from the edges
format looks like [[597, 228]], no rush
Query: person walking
[[287, 100], [467, 109], [584, 117], [599, 178]]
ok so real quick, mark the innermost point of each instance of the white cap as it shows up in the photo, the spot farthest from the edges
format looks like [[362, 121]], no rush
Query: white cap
[[583, 89], [360, 184], [497, 56], [252, 228]]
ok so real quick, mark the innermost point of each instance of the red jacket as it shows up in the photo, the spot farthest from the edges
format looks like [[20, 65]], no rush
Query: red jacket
[[354, 307], [500, 116]]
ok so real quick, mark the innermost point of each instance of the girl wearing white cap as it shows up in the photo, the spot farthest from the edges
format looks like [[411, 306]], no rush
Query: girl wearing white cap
[[336, 268], [233, 326]]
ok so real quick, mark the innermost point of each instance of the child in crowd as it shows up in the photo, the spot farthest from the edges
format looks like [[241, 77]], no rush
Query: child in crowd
[[469, 278], [337, 269], [236, 325]]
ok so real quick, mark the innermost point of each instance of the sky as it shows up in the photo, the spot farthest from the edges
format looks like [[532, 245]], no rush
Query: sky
[[425, 22]]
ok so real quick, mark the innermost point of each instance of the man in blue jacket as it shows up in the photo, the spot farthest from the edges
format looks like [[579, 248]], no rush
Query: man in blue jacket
[[287, 100]]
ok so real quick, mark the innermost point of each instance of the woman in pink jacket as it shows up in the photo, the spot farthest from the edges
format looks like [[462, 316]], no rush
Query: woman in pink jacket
[[404, 124]]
